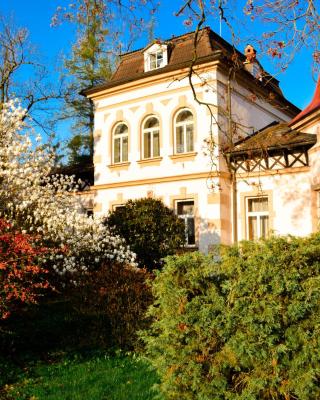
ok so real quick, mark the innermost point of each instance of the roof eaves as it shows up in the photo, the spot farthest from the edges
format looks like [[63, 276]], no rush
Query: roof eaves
[[284, 146]]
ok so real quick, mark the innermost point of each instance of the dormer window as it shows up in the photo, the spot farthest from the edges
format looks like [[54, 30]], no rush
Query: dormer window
[[155, 56], [156, 60]]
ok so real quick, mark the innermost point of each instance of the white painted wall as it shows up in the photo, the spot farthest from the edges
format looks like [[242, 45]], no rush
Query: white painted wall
[[163, 99], [165, 102], [290, 198], [169, 192]]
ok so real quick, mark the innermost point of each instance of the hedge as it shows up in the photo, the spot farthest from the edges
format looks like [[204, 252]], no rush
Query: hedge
[[243, 324]]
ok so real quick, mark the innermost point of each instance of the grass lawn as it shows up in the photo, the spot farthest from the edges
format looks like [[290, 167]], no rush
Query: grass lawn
[[100, 377]]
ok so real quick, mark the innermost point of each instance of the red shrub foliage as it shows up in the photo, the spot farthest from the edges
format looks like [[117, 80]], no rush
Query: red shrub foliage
[[118, 297], [22, 279]]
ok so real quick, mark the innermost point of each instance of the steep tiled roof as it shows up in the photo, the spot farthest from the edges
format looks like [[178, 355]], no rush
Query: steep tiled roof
[[210, 46], [180, 52], [313, 106], [277, 135]]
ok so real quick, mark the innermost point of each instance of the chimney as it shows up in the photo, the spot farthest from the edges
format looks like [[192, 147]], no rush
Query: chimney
[[251, 64]]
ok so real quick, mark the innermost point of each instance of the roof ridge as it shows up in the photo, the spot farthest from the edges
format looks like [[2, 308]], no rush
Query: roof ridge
[[205, 28]]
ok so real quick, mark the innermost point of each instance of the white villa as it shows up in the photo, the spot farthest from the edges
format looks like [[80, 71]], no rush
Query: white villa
[[229, 153]]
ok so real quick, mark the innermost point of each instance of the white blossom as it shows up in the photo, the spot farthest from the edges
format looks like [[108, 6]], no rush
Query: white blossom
[[36, 201]]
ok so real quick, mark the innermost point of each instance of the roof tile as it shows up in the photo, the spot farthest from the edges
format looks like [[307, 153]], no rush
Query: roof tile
[[313, 106], [277, 135]]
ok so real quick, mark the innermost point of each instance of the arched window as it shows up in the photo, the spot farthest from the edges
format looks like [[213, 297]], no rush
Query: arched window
[[151, 138], [184, 128], [120, 143]]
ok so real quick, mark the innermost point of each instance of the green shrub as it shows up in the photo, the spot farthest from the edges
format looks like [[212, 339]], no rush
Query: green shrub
[[241, 325], [115, 298], [151, 229]]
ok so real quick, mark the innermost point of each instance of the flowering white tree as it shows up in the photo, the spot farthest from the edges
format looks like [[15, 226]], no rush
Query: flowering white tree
[[45, 204]]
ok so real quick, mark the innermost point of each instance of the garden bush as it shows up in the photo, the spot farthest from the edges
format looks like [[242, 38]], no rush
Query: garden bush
[[243, 324], [151, 229], [22, 278], [115, 297]]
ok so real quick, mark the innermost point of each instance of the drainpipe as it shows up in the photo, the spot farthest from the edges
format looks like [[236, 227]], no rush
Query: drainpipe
[[234, 207], [231, 169]]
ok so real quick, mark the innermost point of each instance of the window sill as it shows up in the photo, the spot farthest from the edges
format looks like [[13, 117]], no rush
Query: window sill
[[150, 161], [123, 165], [184, 156], [155, 68], [187, 249]]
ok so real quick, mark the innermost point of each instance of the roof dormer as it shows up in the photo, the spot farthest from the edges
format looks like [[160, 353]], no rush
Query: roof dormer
[[155, 56]]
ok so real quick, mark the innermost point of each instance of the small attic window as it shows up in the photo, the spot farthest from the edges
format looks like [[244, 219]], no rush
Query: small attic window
[[156, 60], [155, 57]]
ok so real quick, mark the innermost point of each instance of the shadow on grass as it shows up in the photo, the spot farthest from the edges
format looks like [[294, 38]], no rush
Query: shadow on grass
[[48, 332], [49, 351]]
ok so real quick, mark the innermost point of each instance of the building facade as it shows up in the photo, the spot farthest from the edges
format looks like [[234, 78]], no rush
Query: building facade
[[205, 129]]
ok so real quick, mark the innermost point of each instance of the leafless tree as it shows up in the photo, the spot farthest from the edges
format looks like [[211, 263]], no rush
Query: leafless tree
[[284, 26], [23, 76]]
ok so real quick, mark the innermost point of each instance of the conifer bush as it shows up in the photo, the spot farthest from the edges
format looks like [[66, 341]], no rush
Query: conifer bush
[[241, 325]]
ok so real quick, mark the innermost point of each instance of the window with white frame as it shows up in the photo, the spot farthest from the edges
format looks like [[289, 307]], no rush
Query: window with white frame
[[156, 60], [257, 214], [120, 143], [151, 138], [185, 211], [184, 131], [156, 56]]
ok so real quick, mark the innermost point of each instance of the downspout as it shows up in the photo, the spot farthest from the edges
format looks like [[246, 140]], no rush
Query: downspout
[[231, 169]]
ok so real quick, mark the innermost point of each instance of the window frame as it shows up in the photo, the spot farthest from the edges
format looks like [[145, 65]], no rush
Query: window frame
[[259, 215], [116, 206], [184, 125], [318, 207], [157, 51], [120, 136], [185, 217], [157, 63], [152, 132]]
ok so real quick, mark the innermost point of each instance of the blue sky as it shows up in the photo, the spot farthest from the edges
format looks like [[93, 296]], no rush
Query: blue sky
[[296, 83]]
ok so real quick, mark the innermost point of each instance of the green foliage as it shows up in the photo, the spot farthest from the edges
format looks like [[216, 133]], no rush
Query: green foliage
[[151, 229], [78, 148], [242, 325], [88, 65], [115, 298]]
